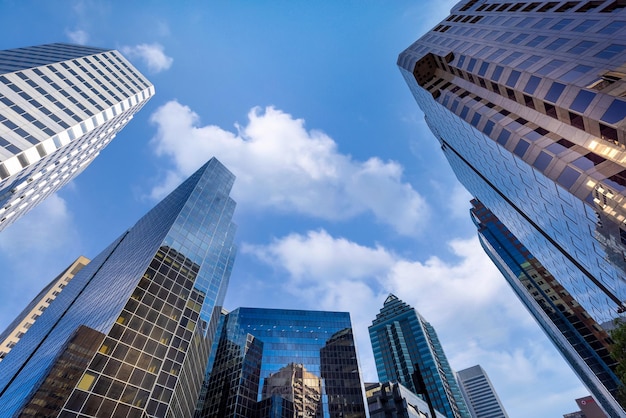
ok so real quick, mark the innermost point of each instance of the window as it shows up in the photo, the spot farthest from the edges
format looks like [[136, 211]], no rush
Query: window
[[543, 160], [582, 100], [613, 27], [575, 73], [568, 177], [581, 47], [542, 23], [513, 77], [561, 24], [519, 38], [497, 72], [536, 40], [555, 92], [503, 137], [521, 148], [610, 51], [532, 84], [615, 112], [557, 44], [533, 59], [590, 5]]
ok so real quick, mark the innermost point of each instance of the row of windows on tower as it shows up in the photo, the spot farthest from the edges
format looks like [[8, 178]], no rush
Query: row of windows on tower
[[540, 7]]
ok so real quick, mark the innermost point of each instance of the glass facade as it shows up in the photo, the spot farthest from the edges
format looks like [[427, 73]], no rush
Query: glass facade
[[404, 344], [527, 101], [580, 339], [284, 364], [142, 315], [60, 105]]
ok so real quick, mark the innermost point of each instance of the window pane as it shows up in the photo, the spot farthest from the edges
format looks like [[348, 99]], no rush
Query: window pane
[[555, 92]]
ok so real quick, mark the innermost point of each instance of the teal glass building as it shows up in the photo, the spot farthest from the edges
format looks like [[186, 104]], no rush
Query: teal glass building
[[403, 342], [278, 363], [130, 334]]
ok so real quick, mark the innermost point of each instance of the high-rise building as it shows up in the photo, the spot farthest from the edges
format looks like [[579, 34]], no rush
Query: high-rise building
[[527, 101], [60, 105], [130, 334], [391, 399], [284, 363], [404, 345], [22, 323], [480, 396], [578, 337], [588, 409]]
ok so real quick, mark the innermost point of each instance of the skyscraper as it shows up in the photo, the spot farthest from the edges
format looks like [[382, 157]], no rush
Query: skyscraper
[[404, 344], [577, 336], [393, 399], [284, 363], [60, 105], [527, 101], [131, 332], [480, 396], [20, 325]]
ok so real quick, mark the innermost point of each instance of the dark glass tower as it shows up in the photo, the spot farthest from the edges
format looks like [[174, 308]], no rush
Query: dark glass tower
[[285, 364], [130, 335], [527, 102], [578, 337], [405, 343]]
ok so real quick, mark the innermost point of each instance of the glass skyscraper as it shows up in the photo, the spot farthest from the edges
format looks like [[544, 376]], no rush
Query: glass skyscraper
[[480, 395], [130, 334], [277, 363], [404, 344], [527, 101], [60, 105]]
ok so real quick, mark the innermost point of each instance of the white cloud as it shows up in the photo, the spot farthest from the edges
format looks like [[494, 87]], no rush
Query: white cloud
[[279, 164], [151, 55], [78, 36], [476, 315]]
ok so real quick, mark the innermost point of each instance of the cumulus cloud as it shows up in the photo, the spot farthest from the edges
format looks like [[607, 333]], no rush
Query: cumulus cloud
[[78, 36], [280, 164], [476, 315], [152, 55]]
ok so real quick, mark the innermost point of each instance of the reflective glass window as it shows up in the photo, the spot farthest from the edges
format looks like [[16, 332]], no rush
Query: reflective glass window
[[511, 58], [543, 160], [613, 27], [497, 72], [471, 64], [513, 77], [483, 68], [555, 92], [615, 112], [575, 73], [551, 66], [519, 38], [585, 25], [521, 148], [533, 59], [536, 40], [557, 44], [582, 100], [581, 47], [561, 24], [610, 51], [542, 23], [568, 177], [503, 137], [532, 84]]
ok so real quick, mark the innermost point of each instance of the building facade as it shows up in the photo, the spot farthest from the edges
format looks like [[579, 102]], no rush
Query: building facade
[[527, 102], [480, 396], [130, 334], [391, 399], [60, 105], [285, 364], [579, 338], [22, 323], [404, 344]]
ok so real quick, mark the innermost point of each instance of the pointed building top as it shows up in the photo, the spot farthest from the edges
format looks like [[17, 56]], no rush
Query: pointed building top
[[390, 298]]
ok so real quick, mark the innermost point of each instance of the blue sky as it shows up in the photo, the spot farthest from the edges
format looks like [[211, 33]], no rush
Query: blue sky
[[343, 194]]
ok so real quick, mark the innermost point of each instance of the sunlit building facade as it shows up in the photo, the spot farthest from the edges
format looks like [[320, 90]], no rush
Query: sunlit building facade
[[391, 399], [480, 395], [60, 105], [22, 323], [527, 101], [277, 363], [404, 344], [130, 334]]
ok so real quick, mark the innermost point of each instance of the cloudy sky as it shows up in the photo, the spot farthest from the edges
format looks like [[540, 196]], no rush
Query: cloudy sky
[[343, 194]]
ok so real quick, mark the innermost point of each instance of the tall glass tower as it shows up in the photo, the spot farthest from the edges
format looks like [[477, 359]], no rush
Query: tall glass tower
[[404, 343], [130, 334], [60, 105], [527, 102], [481, 397], [277, 363]]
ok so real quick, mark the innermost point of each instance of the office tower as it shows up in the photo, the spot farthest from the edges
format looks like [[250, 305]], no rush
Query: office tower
[[588, 409], [285, 364], [526, 100], [130, 334], [581, 341], [59, 106], [20, 325], [391, 399], [404, 344], [480, 396]]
